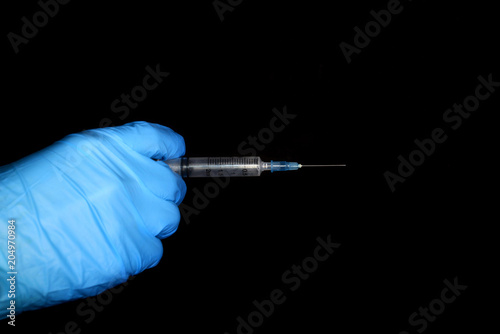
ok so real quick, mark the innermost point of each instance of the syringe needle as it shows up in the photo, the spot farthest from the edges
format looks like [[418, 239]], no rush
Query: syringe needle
[[323, 165]]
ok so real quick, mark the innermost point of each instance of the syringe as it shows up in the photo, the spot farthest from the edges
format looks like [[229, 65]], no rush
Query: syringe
[[230, 166]]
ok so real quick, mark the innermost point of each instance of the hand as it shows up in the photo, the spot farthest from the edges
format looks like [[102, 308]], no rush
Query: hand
[[90, 211]]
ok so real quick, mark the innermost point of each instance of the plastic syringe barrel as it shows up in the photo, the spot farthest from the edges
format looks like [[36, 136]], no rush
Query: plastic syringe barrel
[[216, 166]]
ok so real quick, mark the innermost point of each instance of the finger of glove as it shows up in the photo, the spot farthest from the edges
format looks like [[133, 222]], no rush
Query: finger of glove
[[151, 140], [149, 256], [163, 143], [159, 179], [155, 256], [160, 217]]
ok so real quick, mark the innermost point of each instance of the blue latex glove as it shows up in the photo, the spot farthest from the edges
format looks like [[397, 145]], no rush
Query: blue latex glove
[[90, 211]]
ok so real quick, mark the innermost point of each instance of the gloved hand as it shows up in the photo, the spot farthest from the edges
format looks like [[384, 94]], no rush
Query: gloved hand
[[90, 211]]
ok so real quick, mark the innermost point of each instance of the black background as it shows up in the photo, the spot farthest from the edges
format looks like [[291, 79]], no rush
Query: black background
[[225, 79]]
